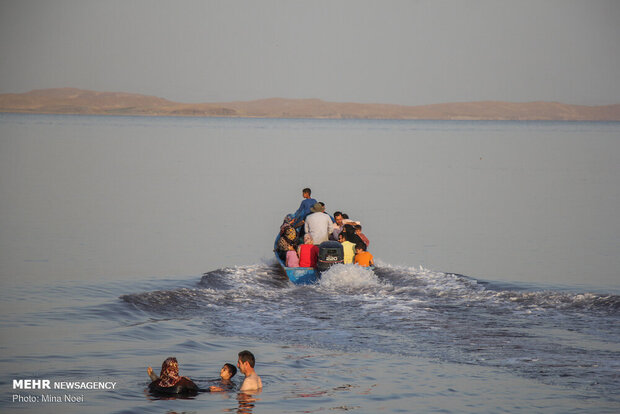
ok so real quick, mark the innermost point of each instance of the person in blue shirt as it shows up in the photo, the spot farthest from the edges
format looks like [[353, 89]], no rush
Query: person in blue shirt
[[304, 207]]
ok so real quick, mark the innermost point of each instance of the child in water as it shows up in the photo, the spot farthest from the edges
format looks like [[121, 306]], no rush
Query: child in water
[[226, 373]]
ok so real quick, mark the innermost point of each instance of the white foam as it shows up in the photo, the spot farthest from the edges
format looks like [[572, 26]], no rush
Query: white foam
[[349, 276]]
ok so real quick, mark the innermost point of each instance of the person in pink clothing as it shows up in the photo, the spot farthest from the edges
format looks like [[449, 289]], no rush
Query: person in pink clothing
[[292, 260], [308, 252]]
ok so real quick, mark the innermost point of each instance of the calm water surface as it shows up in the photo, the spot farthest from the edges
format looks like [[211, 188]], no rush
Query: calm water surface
[[127, 240]]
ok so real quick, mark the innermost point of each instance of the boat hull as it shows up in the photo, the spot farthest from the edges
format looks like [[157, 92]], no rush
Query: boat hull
[[297, 275]]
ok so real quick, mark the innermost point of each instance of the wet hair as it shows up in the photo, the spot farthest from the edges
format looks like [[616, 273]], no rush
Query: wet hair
[[361, 246], [307, 190], [337, 213], [232, 369], [247, 356], [345, 216]]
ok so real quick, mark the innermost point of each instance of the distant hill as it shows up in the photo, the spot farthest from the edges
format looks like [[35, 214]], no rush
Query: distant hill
[[78, 101]]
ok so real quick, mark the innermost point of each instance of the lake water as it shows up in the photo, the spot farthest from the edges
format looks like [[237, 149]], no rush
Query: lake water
[[125, 240]]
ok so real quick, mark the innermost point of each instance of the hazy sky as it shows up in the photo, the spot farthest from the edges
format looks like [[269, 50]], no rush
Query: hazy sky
[[407, 52]]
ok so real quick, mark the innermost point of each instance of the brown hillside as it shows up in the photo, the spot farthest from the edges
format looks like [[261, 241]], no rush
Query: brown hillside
[[77, 101]]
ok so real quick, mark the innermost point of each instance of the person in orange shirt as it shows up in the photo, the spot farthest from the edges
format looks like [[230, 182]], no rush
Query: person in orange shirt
[[362, 257]]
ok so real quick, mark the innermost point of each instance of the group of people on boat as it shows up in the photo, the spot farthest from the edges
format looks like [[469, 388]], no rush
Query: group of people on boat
[[169, 382], [301, 234]]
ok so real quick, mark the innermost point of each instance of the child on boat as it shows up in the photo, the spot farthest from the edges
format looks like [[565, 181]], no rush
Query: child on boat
[[362, 257], [358, 231], [348, 248], [292, 260]]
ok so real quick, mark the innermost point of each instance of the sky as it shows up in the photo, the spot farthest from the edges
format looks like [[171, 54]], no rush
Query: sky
[[401, 52]]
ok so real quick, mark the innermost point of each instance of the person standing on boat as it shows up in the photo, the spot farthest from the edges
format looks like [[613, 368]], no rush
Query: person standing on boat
[[304, 208], [318, 224]]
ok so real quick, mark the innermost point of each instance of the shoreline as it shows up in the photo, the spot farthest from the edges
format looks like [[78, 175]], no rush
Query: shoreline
[[166, 115]]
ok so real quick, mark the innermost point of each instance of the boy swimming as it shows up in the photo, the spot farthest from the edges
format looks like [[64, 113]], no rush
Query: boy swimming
[[226, 373]]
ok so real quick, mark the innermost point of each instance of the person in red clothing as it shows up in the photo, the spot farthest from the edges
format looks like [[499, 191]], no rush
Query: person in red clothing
[[308, 252]]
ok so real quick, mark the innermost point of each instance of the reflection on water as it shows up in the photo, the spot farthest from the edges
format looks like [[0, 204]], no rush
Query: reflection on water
[[247, 402]]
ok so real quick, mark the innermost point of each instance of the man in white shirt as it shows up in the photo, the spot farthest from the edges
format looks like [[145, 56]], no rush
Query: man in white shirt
[[318, 224]]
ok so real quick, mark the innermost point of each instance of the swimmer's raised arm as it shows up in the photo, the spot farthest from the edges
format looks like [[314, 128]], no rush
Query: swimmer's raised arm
[[152, 375]]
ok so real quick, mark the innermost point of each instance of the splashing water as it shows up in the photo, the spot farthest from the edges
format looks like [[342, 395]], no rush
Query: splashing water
[[349, 277], [553, 336]]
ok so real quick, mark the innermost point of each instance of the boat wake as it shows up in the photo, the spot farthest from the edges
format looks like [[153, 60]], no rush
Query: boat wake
[[556, 336], [343, 277]]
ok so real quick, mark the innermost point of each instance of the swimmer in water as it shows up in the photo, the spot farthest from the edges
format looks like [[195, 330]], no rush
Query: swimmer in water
[[169, 381], [245, 363], [226, 373]]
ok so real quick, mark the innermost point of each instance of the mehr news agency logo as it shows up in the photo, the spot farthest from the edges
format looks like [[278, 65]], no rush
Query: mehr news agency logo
[[67, 397]]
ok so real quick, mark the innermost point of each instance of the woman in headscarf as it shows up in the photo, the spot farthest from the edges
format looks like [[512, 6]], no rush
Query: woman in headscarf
[[351, 236], [169, 381], [288, 236]]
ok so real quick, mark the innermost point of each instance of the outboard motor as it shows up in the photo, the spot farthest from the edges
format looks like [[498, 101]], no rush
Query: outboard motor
[[330, 253]]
